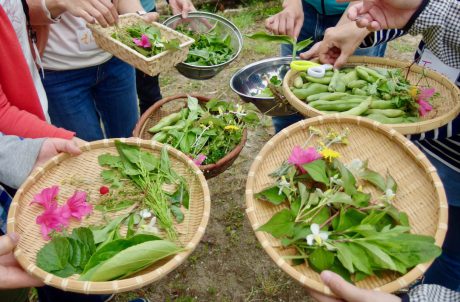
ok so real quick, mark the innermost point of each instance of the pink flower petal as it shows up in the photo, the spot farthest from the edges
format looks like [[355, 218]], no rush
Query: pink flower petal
[[424, 107], [145, 41], [301, 156], [51, 219], [47, 197], [77, 206], [199, 159], [426, 93], [138, 42]]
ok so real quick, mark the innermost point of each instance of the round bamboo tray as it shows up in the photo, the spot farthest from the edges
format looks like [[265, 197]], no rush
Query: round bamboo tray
[[173, 104], [445, 110], [420, 191], [62, 170], [151, 66]]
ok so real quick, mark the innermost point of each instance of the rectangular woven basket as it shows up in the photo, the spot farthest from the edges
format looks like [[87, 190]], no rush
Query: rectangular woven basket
[[151, 66]]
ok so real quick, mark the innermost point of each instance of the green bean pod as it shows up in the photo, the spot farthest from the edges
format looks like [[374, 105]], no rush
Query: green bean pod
[[351, 76], [333, 105], [160, 137], [314, 88], [386, 120], [358, 110], [386, 112], [379, 104], [298, 82], [334, 79], [362, 74], [357, 84], [323, 80], [372, 72], [166, 121], [327, 96], [340, 86], [359, 91]]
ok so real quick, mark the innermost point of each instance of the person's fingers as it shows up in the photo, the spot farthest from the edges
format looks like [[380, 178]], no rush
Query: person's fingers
[[298, 27], [322, 297], [97, 15], [14, 277], [341, 60], [282, 26], [7, 243], [275, 25], [313, 52], [68, 146], [342, 288], [374, 26], [290, 24], [8, 260], [151, 17], [353, 12], [86, 16], [107, 9], [362, 22], [186, 9]]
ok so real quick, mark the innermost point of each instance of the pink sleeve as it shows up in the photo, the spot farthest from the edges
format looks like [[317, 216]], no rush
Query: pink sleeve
[[14, 121]]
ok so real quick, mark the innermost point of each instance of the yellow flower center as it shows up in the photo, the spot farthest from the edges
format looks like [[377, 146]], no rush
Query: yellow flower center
[[413, 92], [231, 127], [329, 154]]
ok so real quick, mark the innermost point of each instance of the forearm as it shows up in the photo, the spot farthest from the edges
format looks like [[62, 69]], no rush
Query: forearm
[[129, 6], [44, 12], [17, 158], [287, 3]]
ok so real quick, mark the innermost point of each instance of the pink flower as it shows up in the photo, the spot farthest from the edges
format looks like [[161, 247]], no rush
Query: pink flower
[[143, 41], [76, 206], [47, 197], [52, 219], [424, 107], [199, 159], [425, 94], [301, 156]]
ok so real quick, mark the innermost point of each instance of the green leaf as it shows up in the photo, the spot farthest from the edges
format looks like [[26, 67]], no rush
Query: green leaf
[[317, 170], [321, 217], [177, 212], [348, 180], [360, 259], [361, 199], [272, 195], [341, 198], [379, 257], [262, 36], [321, 259], [375, 179], [345, 256], [101, 235], [281, 224], [131, 260], [299, 46], [110, 160], [338, 268], [299, 233], [54, 255], [349, 218]]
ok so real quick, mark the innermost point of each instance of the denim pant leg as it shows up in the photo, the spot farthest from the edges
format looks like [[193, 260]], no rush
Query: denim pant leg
[[116, 99], [71, 103], [51, 294], [148, 90], [445, 270]]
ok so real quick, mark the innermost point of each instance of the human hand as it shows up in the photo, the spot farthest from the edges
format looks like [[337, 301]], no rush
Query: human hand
[[53, 146], [182, 7], [102, 11], [339, 43], [347, 292], [382, 14], [11, 273], [151, 17], [287, 22]]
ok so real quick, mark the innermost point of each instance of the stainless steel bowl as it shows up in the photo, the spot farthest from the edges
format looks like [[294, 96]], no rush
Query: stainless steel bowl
[[202, 22], [249, 81]]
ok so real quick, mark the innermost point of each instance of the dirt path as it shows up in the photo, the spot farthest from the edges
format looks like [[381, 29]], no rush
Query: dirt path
[[230, 264]]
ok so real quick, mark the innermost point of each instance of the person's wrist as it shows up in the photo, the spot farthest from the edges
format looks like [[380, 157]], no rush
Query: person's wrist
[[418, 10], [291, 4]]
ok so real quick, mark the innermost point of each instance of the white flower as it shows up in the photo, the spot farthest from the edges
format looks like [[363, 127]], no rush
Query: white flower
[[145, 214], [283, 184], [316, 235], [151, 228], [389, 195]]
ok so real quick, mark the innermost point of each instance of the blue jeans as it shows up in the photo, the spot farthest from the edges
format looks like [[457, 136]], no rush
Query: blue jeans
[[314, 26], [80, 100], [445, 270], [51, 294]]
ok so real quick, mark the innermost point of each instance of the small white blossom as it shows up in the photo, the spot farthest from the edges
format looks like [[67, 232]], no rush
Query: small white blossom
[[316, 235], [145, 214], [151, 228], [283, 184]]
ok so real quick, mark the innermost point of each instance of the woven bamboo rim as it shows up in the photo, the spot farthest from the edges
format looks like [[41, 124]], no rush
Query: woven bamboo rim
[[21, 217], [445, 111], [173, 104], [420, 191], [151, 66]]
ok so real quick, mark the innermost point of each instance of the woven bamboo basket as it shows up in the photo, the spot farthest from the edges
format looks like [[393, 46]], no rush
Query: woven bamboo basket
[[173, 104], [151, 66], [84, 169], [446, 108], [420, 191]]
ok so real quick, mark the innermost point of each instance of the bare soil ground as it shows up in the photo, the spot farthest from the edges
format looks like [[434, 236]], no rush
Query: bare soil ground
[[230, 264]]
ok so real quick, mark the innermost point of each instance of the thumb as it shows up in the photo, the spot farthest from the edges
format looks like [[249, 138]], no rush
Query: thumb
[[151, 17], [312, 52], [7, 243], [342, 288], [341, 60], [67, 146]]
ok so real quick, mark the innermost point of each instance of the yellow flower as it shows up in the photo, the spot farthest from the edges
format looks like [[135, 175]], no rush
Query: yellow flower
[[413, 92], [329, 154], [231, 127]]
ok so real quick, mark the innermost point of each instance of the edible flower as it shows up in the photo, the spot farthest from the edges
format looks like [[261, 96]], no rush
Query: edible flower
[[231, 127], [47, 197], [301, 156], [144, 213], [424, 107], [150, 228], [413, 91], [143, 41], [316, 235], [329, 154], [199, 159], [52, 219], [76, 206]]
